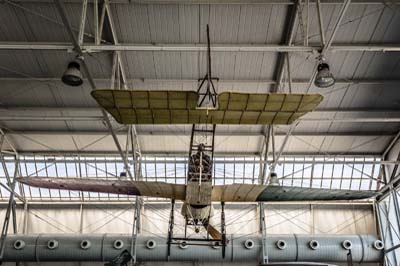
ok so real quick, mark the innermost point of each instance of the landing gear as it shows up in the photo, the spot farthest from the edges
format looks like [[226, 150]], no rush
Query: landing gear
[[217, 239], [171, 228], [349, 258], [223, 232]]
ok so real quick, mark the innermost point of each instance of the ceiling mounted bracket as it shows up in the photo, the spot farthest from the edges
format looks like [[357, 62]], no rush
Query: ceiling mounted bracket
[[207, 92]]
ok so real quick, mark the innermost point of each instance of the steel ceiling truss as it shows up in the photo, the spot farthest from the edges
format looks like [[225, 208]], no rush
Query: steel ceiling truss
[[209, 2], [191, 47], [355, 172], [118, 81], [388, 211], [296, 17], [8, 149]]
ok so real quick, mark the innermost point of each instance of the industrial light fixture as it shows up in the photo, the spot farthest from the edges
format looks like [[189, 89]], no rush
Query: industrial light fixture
[[324, 78], [73, 76], [273, 179]]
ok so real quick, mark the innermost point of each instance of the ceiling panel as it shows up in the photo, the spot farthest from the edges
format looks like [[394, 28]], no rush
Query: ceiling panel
[[175, 24]]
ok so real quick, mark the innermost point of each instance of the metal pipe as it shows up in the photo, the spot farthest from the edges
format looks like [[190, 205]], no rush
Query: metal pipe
[[41, 248]]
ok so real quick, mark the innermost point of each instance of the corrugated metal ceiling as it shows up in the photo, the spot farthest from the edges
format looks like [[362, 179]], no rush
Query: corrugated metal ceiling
[[177, 24]]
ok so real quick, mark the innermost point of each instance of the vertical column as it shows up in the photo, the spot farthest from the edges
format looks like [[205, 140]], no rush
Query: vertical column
[[11, 181]]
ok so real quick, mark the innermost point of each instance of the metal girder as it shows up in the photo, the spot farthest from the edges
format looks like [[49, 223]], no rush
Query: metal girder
[[290, 33], [179, 133], [263, 231], [194, 82], [295, 15], [374, 47], [132, 142], [219, 161], [391, 144], [206, 2], [32, 118], [132, 136], [84, 113], [83, 22], [10, 186], [394, 172], [328, 44], [78, 49], [263, 174], [383, 168], [344, 111], [48, 204], [184, 152], [320, 22]]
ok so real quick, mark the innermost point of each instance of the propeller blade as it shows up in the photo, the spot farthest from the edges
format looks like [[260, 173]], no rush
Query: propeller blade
[[213, 232]]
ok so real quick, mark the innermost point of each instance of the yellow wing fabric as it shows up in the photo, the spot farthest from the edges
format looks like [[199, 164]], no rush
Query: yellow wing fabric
[[179, 107], [126, 187]]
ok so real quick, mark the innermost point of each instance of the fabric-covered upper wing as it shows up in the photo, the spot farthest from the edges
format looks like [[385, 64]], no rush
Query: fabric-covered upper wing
[[251, 193], [126, 187], [180, 107]]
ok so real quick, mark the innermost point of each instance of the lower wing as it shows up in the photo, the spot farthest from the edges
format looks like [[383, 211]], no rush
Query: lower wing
[[252, 193], [126, 187]]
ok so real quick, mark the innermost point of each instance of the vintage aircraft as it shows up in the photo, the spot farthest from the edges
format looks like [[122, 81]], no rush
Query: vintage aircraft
[[179, 107], [203, 109]]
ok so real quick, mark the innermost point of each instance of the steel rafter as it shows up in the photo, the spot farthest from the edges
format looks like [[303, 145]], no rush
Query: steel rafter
[[163, 47], [208, 2], [11, 182]]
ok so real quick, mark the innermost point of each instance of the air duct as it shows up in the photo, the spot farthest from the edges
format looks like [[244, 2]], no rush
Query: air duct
[[151, 248]]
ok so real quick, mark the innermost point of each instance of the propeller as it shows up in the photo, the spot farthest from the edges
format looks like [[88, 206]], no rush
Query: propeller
[[213, 232]]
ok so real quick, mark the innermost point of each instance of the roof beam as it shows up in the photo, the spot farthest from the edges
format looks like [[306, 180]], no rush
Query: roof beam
[[35, 114], [194, 82], [206, 2], [353, 47], [290, 33], [101, 118], [182, 133], [184, 153], [41, 109]]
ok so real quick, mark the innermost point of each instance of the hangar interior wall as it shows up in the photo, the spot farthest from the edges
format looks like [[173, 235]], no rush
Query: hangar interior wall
[[388, 208], [92, 218]]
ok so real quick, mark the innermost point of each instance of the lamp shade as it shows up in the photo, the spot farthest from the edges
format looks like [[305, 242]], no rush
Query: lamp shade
[[73, 76], [324, 78]]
